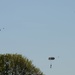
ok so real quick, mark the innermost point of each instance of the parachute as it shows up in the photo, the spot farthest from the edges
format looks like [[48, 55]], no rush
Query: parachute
[[51, 58]]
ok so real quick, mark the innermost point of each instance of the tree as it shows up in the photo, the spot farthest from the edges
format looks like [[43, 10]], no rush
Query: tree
[[16, 64]]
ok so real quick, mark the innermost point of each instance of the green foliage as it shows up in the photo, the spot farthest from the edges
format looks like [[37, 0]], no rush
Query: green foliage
[[16, 64]]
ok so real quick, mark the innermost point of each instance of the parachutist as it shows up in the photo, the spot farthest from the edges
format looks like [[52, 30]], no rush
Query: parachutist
[[51, 58], [50, 65]]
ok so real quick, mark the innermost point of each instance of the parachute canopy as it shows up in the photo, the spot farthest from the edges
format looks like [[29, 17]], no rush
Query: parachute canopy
[[51, 58]]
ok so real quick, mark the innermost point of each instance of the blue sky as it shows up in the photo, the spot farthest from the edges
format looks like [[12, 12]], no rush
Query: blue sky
[[38, 29]]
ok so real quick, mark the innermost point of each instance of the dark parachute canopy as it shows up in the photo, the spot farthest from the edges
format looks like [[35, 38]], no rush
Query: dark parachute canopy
[[51, 58]]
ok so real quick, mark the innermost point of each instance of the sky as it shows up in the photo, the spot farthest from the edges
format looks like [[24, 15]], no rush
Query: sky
[[39, 29]]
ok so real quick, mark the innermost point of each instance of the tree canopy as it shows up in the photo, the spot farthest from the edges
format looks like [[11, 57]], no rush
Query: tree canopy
[[16, 64]]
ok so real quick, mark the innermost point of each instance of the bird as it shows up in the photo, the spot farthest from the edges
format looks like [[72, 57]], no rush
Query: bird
[[1, 29]]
